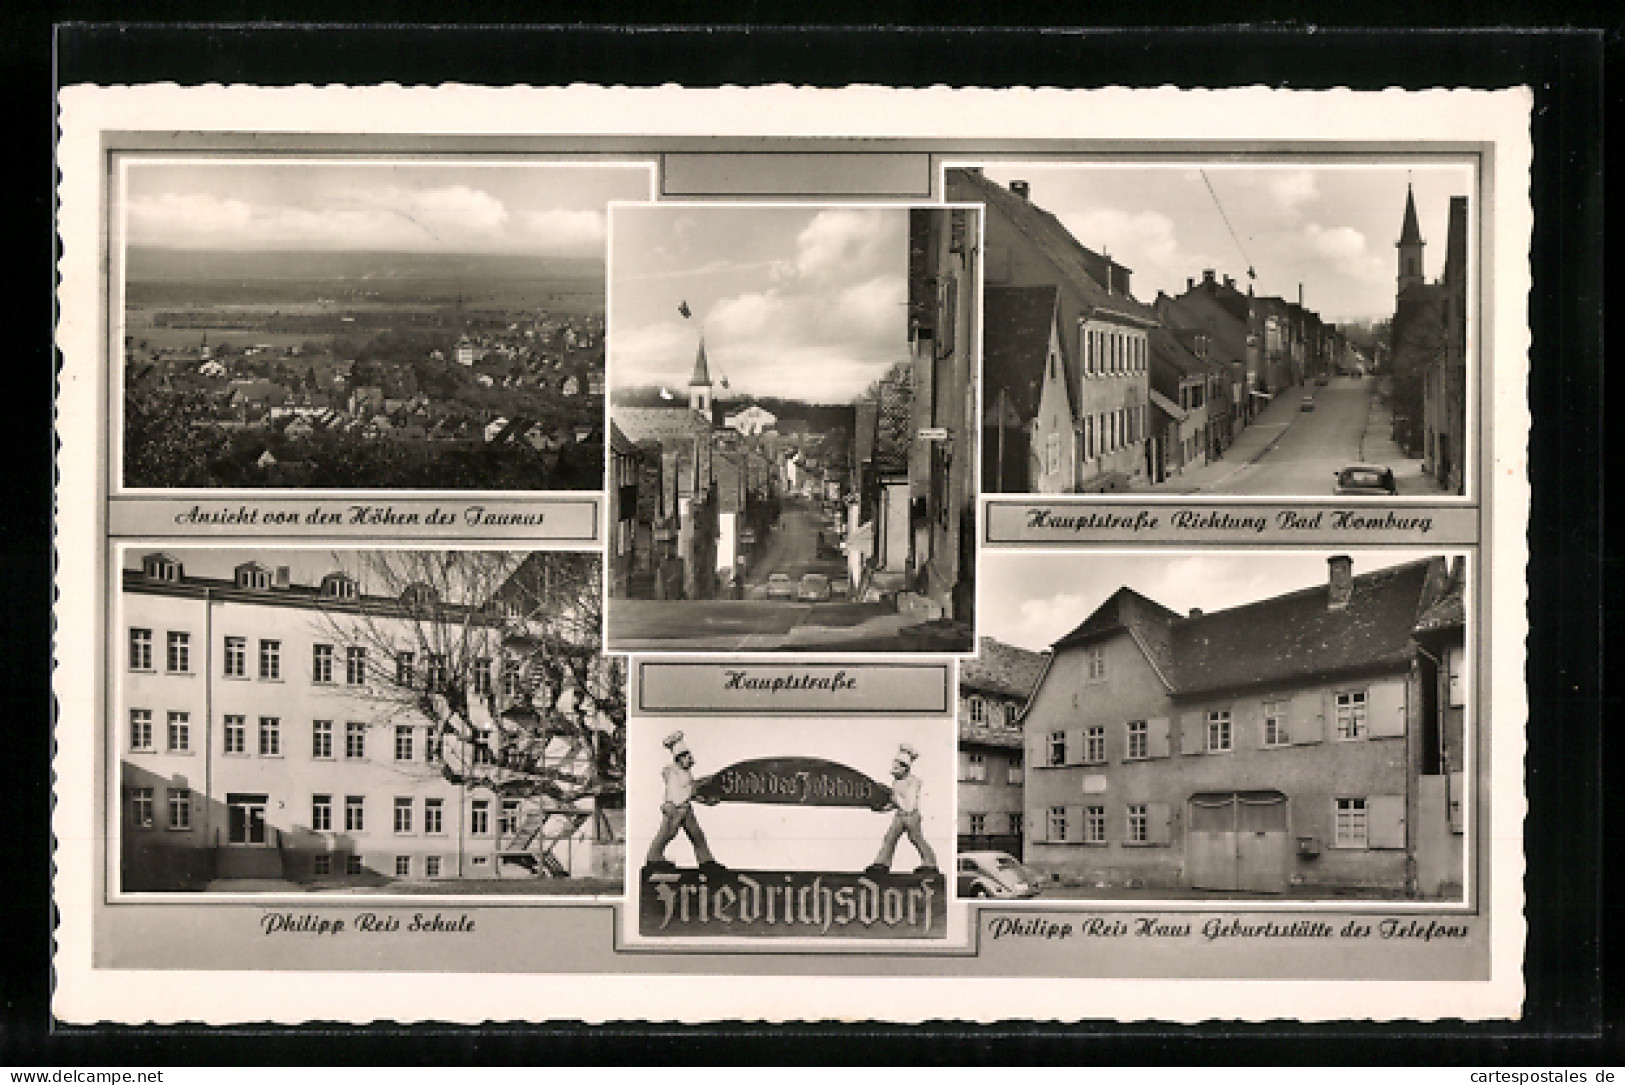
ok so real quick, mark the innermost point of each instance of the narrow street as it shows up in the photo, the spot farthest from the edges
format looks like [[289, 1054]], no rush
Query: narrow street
[[1293, 452], [758, 623]]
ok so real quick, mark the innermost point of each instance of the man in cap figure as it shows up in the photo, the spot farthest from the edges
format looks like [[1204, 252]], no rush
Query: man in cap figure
[[905, 799], [677, 807]]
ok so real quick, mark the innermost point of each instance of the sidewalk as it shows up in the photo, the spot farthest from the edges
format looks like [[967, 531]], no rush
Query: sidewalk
[[1377, 446], [1251, 445]]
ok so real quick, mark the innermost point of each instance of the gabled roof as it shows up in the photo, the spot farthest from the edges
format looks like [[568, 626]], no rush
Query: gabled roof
[[1079, 265], [1450, 610], [656, 423], [1287, 638], [1001, 668], [1017, 322], [1196, 310], [1298, 636]]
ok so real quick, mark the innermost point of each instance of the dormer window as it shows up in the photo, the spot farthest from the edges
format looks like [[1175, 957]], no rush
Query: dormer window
[[338, 586], [161, 567], [417, 594], [253, 576]]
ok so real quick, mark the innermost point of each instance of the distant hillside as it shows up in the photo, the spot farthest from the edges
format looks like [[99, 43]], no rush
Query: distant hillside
[[149, 264], [820, 417]]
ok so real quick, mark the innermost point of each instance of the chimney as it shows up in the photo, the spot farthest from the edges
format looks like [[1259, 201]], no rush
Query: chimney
[[284, 577], [1190, 284], [1020, 188], [1196, 612], [1229, 282], [1207, 276], [1300, 295], [1340, 581]]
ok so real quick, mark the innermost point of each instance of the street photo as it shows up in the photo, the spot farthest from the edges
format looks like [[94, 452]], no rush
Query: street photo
[[792, 438], [365, 722], [401, 324], [1282, 726], [1225, 328]]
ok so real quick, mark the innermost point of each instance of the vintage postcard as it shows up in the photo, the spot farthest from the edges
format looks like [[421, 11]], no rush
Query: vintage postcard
[[535, 554]]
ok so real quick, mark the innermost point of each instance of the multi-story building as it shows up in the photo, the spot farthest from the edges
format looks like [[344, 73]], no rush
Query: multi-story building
[[1262, 748], [1219, 324], [285, 732], [993, 687], [1103, 328]]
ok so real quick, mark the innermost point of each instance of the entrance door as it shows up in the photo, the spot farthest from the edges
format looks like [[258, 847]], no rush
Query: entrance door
[[246, 818], [1238, 841], [1210, 843], [1262, 845]]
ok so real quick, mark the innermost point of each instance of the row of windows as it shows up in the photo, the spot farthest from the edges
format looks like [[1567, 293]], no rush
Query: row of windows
[[267, 736], [1112, 351], [1109, 431], [404, 819], [982, 824], [1145, 739], [322, 865], [1148, 823], [177, 804], [984, 711], [973, 770], [324, 663]]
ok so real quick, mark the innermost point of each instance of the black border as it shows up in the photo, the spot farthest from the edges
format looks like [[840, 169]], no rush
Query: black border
[[1567, 1018]]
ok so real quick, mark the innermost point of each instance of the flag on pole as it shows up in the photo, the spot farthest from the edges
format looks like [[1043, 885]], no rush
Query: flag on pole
[[682, 307]]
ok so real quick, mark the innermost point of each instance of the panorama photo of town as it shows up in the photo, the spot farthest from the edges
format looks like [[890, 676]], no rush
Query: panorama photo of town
[[1228, 329], [792, 433], [365, 325]]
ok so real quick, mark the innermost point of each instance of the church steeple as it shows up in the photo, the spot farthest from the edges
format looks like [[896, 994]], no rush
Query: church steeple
[[1410, 246], [699, 385]]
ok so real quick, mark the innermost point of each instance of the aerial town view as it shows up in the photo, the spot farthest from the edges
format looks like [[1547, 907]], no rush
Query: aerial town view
[[1224, 330], [366, 325], [792, 428]]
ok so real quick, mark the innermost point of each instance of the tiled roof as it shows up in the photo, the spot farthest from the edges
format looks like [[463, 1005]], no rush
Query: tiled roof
[[1450, 610], [1297, 635], [1016, 321], [657, 423], [1290, 637], [1197, 311], [1074, 261], [1001, 668]]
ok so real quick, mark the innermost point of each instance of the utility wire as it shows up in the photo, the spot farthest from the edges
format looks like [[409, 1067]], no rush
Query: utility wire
[[1251, 274]]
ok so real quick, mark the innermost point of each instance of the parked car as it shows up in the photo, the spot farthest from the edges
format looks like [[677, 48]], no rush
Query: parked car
[[1308, 403], [1367, 479], [780, 586], [841, 586], [995, 874], [814, 588]]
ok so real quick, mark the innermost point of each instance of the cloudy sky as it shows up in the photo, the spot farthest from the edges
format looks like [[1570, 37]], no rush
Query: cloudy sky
[[802, 302], [414, 207], [1031, 600], [1331, 228]]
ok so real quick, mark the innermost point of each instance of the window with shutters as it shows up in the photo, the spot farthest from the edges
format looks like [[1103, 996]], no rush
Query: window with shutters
[[1351, 720], [1094, 824], [1139, 824], [1094, 745], [1350, 827], [1139, 740], [1275, 723], [975, 769], [978, 710], [1057, 748]]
